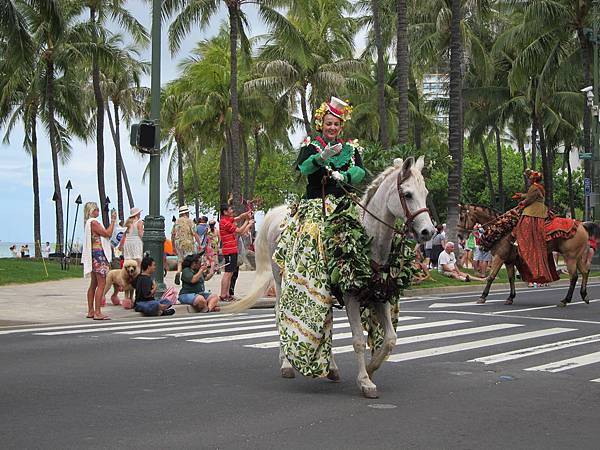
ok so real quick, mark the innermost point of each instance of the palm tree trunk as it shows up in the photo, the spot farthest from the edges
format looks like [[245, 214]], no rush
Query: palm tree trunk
[[118, 161], [418, 128], [383, 127], [116, 136], [223, 176], [54, 146], [35, 177], [235, 113], [521, 146], [402, 69], [488, 172], [586, 59], [567, 162], [455, 131], [246, 170], [180, 183], [99, 124], [501, 199], [545, 167], [304, 108], [533, 143], [257, 158]]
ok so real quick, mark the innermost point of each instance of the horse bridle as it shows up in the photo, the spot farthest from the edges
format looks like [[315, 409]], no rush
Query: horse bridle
[[410, 216]]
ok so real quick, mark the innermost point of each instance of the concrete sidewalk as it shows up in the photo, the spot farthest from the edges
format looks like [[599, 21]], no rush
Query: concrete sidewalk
[[64, 301]]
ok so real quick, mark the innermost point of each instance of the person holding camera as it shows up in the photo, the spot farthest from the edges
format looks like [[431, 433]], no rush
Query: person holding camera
[[193, 291]]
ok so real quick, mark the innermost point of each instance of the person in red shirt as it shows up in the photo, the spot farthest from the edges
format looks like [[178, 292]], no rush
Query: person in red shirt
[[228, 230]]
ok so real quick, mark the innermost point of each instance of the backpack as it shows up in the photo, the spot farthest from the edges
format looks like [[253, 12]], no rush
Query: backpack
[[171, 295]]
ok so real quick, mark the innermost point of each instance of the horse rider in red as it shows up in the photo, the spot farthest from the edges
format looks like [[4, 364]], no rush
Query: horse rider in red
[[530, 233]]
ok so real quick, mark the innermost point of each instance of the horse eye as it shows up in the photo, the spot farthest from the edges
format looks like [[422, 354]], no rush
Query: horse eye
[[408, 195]]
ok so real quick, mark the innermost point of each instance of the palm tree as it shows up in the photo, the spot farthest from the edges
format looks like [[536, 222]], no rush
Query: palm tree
[[200, 13], [455, 121], [99, 11], [383, 125], [402, 67]]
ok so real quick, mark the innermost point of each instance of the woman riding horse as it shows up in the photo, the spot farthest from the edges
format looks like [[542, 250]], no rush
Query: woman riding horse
[[305, 316], [530, 234]]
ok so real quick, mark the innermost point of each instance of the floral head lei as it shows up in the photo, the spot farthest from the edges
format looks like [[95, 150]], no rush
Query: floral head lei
[[339, 108]]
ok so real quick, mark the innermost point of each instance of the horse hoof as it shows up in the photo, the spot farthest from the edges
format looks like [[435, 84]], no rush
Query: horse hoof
[[481, 301], [586, 299], [288, 372], [369, 392], [562, 304], [334, 375], [508, 301]]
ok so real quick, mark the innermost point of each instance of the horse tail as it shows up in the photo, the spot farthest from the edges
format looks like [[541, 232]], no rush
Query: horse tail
[[592, 228], [264, 273]]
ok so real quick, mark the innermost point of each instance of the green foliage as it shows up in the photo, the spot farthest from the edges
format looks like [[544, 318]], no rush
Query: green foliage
[[30, 270]]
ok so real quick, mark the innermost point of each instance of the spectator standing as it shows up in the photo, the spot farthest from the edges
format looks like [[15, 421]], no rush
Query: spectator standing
[[470, 244], [228, 231], [46, 250], [447, 264], [95, 254], [212, 244], [428, 246], [202, 231], [183, 236], [483, 259], [193, 291], [438, 244], [131, 242], [13, 251], [145, 288]]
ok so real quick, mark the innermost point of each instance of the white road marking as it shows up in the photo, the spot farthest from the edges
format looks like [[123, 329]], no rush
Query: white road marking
[[194, 327], [441, 335], [417, 326], [453, 305], [525, 352], [118, 326], [597, 380], [578, 303], [149, 338], [568, 364], [98, 324], [475, 344]]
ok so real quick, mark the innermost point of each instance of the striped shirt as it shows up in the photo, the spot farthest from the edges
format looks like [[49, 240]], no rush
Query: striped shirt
[[227, 231]]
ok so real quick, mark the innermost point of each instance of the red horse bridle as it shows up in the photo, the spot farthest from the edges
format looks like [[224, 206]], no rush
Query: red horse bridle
[[410, 216]]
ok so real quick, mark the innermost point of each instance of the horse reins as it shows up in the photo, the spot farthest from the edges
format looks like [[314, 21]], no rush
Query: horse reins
[[410, 217]]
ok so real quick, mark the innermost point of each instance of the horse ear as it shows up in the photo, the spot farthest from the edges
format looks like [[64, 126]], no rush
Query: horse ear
[[408, 163], [420, 163], [398, 162]]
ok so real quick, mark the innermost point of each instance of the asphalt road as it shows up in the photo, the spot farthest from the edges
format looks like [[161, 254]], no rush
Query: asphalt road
[[462, 376]]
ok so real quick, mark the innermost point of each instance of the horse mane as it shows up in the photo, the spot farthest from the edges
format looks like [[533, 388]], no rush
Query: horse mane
[[480, 205], [374, 185]]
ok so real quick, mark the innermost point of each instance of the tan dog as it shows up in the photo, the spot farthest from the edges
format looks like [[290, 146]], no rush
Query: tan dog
[[122, 280]]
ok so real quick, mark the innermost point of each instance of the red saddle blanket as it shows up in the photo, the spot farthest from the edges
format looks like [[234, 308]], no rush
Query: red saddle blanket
[[560, 227]]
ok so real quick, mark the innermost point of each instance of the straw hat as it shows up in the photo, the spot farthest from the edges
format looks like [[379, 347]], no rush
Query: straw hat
[[184, 210], [134, 211]]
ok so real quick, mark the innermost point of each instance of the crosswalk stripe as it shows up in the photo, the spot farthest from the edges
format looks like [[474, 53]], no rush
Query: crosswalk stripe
[[416, 326], [440, 335], [597, 380], [568, 364], [239, 337], [202, 325], [475, 344], [524, 352], [196, 333], [98, 324], [117, 326]]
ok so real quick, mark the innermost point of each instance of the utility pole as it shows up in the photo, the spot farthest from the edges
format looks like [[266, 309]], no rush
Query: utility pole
[[594, 199], [154, 223]]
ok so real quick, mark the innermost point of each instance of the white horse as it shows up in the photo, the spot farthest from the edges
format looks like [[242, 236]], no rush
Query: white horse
[[398, 192]]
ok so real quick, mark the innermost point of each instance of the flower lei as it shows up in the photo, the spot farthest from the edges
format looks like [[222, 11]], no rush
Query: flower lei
[[324, 109], [347, 155]]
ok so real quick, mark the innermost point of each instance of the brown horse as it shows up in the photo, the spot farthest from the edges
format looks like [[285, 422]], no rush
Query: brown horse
[[574, 250]]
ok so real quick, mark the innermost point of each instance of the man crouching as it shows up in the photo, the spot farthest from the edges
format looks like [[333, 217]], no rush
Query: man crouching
[[145, 288]]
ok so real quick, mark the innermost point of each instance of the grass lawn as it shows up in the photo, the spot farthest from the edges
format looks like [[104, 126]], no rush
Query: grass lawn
[[440, 280], [31, 270]]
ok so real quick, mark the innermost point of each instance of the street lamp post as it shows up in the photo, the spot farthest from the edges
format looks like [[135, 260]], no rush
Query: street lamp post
[[154, 223], [78, 202]]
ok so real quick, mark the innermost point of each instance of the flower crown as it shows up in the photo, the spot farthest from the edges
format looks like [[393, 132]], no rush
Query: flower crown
[[533, 174], [339, 108]]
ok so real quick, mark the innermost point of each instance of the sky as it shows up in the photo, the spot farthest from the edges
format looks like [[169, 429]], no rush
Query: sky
[[16, 194]]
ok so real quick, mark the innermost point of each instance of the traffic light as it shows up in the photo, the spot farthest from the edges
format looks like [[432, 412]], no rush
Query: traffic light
[[143, 136]]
